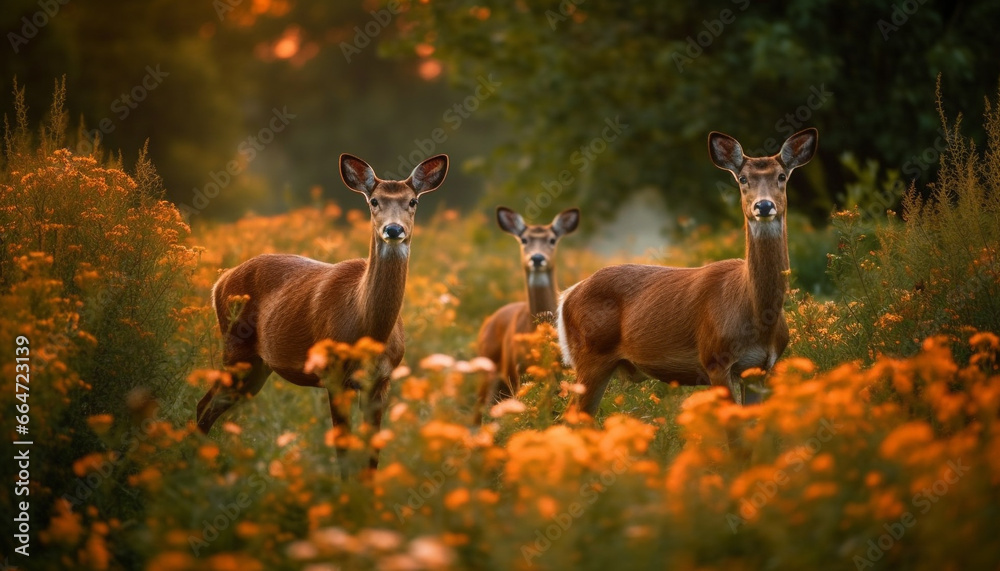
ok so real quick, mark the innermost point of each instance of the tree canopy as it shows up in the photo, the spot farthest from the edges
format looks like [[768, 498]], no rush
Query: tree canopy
[[547, 104], [255, 99], [862, 72]]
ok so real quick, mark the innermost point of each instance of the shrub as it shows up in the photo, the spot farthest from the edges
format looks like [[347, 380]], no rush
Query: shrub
[[91, 266], [936, 270]]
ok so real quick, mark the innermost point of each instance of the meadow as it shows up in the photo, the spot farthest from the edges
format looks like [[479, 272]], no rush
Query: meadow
[[878, 448]]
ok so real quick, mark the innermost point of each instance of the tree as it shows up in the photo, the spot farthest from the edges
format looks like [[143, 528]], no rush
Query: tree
[[668, 73], [213, 75]]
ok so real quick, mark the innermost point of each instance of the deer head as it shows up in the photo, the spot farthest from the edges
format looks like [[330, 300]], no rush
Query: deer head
[[538, 242], [393, 203], [762, 179]]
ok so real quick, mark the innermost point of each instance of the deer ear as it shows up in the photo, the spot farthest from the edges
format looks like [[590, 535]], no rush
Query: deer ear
[[357, 175], [510, 221], [726, 152], [799, 148], [429, 174], [566, 221]]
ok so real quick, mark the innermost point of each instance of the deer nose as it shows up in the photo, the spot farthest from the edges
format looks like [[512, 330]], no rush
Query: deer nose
[[393, 232], [764, 209], [538, 261]]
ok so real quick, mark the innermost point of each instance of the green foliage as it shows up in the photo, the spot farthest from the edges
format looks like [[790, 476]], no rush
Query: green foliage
[[935, 271], [836, 454], [673, 72], [219, 81], [91, 271]]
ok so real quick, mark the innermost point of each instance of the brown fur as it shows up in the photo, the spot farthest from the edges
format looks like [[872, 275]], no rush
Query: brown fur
[[496, 336], [295, 302], [692, 325]]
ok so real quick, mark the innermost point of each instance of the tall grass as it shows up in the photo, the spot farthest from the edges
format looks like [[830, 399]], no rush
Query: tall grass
[[871, 454], [934, 269], [91, 271]]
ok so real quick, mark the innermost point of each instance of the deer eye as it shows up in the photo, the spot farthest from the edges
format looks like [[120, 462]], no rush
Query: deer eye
[[743, 179], [552, 241], [373, 202], [782, 177], [414, 202], [524, 240]]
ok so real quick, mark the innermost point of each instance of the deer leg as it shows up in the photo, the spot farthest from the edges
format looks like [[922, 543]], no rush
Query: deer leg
[[595, 376], [220, 398], [487, 396], [376, 409], [727, 378], [338, 388]]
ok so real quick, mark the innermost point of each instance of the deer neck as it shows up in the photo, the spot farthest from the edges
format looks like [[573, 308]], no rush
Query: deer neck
[[541, 291], [767, 262], [382, 288]]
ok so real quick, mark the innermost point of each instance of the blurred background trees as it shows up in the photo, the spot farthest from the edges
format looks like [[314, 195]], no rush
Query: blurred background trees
[[579, 101]]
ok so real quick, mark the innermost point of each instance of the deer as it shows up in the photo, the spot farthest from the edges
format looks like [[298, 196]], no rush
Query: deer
[[295, 302], [496, 339], [694, 326]]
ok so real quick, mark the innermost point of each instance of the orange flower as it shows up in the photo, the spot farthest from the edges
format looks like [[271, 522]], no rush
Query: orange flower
[[317, 513], [96, 552], [547, 507], [820, 490], [487, 497], [905, 438], [247, 529], [171, 561], [93, 462], [209, 452], [873, 479], [822, 463], [100, 423], [456, 498], [65, 527], [381, 438], [985, 340]]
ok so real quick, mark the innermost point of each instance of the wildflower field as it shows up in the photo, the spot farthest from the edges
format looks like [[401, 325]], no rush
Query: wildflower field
[[878, 448]]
